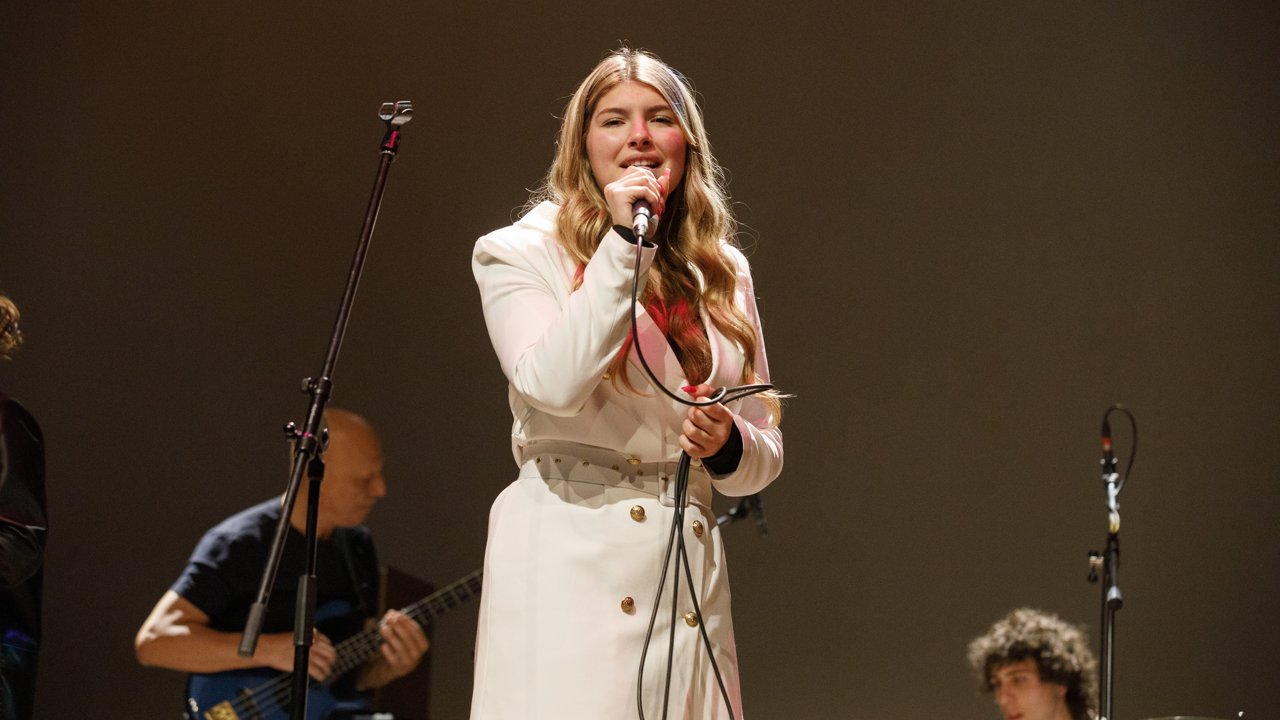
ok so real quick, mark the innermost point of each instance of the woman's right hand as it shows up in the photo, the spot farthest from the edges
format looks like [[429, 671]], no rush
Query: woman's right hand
[[637, 183]]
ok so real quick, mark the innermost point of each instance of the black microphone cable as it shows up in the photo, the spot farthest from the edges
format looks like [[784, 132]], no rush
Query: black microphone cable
[[676, 538], [1109, 460]]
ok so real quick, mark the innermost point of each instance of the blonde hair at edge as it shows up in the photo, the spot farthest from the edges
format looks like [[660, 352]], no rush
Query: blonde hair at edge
[[696, 223]]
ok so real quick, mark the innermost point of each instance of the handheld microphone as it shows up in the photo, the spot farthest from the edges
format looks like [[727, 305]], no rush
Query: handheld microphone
[[640, 214]]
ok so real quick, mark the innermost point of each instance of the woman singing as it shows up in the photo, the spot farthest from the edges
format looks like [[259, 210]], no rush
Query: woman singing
[[577, 543]]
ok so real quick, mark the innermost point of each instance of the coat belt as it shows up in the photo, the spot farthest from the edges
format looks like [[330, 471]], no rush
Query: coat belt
[[574, 462]]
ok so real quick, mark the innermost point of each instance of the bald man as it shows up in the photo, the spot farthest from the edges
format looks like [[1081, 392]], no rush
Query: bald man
[[196, 625]]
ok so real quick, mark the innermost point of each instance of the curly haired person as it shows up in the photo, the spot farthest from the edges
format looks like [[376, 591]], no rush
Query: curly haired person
[[1037, 667]]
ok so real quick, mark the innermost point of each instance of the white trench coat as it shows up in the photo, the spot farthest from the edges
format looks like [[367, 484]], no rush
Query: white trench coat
[[576, 543]]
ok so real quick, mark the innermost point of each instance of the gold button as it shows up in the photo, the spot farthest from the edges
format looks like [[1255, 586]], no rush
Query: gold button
[[697, 528], [690, 618], [633, 460], [628, 605], [637, 513], [615, 467]]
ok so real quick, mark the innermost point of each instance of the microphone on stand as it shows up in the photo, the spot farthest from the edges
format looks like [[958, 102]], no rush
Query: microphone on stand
[[1111, 478], [640, 214], [1105, 565], [1108, 457]]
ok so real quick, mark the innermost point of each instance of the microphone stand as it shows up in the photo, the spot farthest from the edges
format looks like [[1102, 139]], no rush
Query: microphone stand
[[1108, 562], [311, 441], [1106, 565]]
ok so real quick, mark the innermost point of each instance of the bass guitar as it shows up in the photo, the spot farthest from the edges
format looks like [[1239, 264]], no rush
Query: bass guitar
[[264, 693]]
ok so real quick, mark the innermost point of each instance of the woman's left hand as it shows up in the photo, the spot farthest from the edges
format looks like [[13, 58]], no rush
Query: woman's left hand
[[705, 429]]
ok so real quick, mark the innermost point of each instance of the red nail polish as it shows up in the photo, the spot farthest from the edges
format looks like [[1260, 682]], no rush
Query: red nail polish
[[689, 388]]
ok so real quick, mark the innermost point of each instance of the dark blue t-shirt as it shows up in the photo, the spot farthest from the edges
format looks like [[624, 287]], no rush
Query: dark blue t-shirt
[[225, 570]]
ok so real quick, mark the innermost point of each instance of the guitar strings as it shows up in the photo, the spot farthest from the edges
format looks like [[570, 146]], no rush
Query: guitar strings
[[358, 647], [279, 690]]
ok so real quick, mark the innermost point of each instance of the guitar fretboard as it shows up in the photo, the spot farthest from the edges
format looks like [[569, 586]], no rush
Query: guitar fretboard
[[361, 646]]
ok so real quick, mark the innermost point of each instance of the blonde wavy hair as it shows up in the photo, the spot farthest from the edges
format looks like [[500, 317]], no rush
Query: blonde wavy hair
[[697, 224], [10, 334]]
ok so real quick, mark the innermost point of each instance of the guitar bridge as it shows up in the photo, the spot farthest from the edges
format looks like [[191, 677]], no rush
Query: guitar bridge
[[221, 711]]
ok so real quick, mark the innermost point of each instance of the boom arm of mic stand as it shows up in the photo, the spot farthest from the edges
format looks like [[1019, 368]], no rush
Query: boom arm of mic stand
[[733, 515], [307, 452], [740, 510]]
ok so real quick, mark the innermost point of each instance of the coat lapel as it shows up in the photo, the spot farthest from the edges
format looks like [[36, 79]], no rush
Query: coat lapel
[[657, 352], [662, 358]]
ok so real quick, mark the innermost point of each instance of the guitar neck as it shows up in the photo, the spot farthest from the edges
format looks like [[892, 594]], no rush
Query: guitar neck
[[360, 647]]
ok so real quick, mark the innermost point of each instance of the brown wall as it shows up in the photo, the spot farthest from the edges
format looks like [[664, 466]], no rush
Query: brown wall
[[973, 227]]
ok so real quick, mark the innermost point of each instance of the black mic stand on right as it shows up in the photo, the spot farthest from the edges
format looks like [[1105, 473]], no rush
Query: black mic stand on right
[[749, 505], [1106, 565]]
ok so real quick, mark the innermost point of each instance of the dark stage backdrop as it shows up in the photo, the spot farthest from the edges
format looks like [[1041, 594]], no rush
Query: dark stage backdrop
[[973, 227]]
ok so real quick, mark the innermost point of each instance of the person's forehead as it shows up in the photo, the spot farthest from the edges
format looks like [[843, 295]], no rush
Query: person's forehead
[[355, 459], [632, 89], [354, 440], [1016, 667]]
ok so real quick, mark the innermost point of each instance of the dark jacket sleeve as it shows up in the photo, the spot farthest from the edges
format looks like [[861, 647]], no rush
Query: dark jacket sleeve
[[22, 500]]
